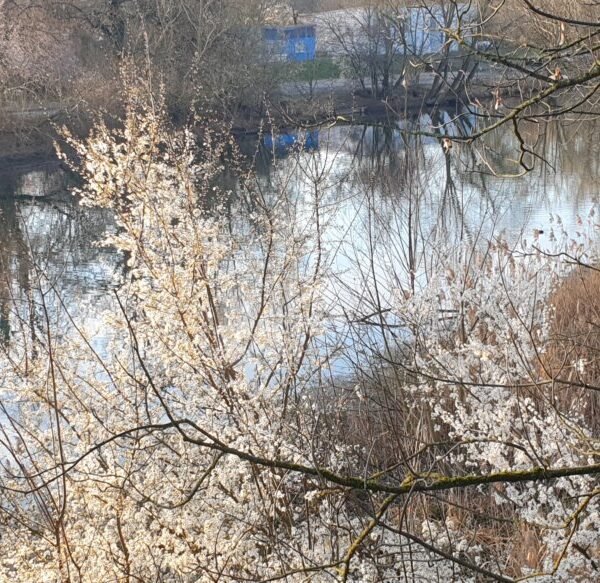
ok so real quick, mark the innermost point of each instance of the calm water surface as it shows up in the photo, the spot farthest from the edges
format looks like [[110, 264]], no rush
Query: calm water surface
[[380, 188]]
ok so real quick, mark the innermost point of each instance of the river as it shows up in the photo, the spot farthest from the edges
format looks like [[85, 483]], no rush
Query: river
[[385, 189]]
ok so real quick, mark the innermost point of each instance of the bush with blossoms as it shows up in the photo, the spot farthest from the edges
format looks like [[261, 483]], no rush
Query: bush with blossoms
[[214, 435]]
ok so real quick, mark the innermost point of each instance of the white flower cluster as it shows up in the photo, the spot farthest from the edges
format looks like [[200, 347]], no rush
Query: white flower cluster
[[204, 443]]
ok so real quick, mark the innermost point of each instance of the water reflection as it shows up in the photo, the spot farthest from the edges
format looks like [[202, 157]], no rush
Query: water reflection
[[50, 263], [386, 193], [15, 265], [33, 178], [390, 196], [459, 189], [284, 143]]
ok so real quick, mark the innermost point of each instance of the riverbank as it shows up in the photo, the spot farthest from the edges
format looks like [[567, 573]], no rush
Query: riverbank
[[305, 104], [29, 130]]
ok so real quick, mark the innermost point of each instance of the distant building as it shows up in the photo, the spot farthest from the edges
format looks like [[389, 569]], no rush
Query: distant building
[[297, 43], [417, 30]]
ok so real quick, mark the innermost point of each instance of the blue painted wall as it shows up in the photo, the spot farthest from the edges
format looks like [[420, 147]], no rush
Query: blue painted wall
[[291, 43]]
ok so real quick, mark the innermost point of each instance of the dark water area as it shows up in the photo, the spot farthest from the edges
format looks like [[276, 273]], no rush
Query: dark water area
[[388, 189]]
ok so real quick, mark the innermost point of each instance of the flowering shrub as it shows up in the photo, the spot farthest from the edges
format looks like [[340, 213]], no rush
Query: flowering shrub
[[204, 442]]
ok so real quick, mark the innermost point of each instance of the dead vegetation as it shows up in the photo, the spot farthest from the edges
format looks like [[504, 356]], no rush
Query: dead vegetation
[[572, 354]]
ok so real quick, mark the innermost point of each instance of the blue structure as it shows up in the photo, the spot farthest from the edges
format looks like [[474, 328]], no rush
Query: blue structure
[[291, 43], [284, 143]]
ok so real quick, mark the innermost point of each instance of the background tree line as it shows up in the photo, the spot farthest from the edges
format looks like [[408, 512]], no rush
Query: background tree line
[[211, 52]]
